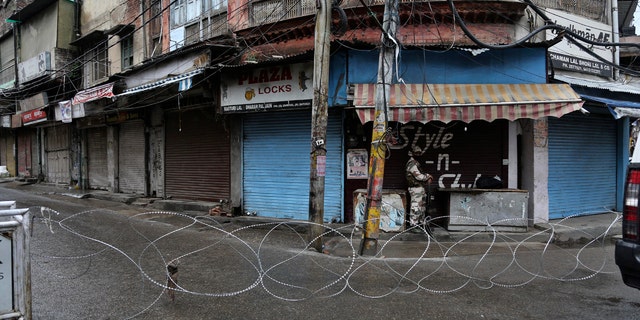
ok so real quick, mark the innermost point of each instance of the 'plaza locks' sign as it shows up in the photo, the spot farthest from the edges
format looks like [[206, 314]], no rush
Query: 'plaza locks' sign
[[276, 87]]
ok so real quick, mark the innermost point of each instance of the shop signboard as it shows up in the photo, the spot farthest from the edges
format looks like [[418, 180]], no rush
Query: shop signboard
[[33, 116], [282, 87], [566, 55]]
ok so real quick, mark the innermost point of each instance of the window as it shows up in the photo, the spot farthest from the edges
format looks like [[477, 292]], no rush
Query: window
[[155, 18], [212, 6], [126, 45], [184, 11], [155, 27], [178, 13], [96, 64], [7, 62]]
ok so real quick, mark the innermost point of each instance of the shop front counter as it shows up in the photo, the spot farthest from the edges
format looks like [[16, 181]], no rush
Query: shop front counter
[[487, 209]]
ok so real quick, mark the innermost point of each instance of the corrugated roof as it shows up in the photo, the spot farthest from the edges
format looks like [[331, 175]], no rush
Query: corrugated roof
[[596, 84]]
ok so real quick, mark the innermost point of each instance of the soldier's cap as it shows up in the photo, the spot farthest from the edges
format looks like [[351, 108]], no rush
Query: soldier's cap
[[414, 150]]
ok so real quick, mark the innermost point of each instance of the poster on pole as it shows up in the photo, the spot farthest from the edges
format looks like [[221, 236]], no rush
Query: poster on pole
[[357, 164]]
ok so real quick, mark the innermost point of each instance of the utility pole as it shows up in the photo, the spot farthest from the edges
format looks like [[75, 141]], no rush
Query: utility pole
[[369, 243], [319, 118]]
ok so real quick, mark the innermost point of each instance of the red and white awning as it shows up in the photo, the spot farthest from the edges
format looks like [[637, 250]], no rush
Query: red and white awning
[[468, 102]]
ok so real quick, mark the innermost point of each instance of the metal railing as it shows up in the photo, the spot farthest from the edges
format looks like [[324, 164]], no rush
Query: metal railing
[[271, 11], [592, 9]]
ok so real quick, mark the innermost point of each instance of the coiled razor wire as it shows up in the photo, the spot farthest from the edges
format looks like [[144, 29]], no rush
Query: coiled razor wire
[[328, 274]]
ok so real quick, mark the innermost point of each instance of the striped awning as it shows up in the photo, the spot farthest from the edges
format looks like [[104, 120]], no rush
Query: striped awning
[[164, 82], [468, 102]]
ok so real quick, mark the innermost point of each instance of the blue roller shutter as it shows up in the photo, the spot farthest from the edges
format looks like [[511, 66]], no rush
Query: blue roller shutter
[[276, 165], [582, 165]]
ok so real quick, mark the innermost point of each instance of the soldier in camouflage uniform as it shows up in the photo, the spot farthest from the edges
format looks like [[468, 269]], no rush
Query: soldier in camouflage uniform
[[415, 178]]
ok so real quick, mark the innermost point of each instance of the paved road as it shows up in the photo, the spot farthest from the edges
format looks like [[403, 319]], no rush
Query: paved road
[[94, 259]]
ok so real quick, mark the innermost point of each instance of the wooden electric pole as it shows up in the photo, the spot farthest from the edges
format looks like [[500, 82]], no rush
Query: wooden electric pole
[[369, 243], [319, 118]]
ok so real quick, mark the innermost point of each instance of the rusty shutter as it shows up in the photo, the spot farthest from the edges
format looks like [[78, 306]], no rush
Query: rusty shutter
[[24, 154], [97, 158], [58, 154], [197, 156], [131, 157], [7, 144]]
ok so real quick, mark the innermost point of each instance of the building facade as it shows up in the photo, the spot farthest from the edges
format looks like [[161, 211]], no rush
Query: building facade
[[211, 100]]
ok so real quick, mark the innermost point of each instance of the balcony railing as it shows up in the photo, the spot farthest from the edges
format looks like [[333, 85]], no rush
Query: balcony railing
[[271, 11], [592, 9], [206, 28]]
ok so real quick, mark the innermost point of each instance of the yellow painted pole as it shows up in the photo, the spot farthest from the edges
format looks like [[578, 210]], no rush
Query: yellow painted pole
[[377, 156]]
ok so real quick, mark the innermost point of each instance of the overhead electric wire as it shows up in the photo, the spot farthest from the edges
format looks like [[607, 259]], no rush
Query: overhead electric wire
[[50, 79], [216, 70], [454, 12], [549, 26]]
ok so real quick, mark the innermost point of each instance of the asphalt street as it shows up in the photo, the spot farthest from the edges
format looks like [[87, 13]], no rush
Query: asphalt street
[[95, 259]]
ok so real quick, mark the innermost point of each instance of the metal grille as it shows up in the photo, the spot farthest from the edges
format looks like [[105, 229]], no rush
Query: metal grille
[[131, 161], [592, 9], [97, 158], [277, 10], [57, 152], [197, 156], [215, 26], [207, 28], [192, 33]]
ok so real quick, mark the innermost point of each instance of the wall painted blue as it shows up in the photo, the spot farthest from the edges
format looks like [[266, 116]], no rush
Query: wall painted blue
[[518, 65]]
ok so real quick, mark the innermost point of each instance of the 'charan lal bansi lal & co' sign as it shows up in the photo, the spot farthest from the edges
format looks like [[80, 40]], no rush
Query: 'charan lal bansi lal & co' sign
[[282, 87]]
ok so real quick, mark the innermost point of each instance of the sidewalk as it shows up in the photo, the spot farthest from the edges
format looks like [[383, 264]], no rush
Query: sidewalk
[[342, 239]]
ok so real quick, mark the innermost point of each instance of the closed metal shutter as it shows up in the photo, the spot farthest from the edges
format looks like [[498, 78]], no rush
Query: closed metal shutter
[[3, 149], [24, 154], [97, 158], [7, 145], [57, 152], [582, 165], [276, 164], [197, 156], [131, 153]]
